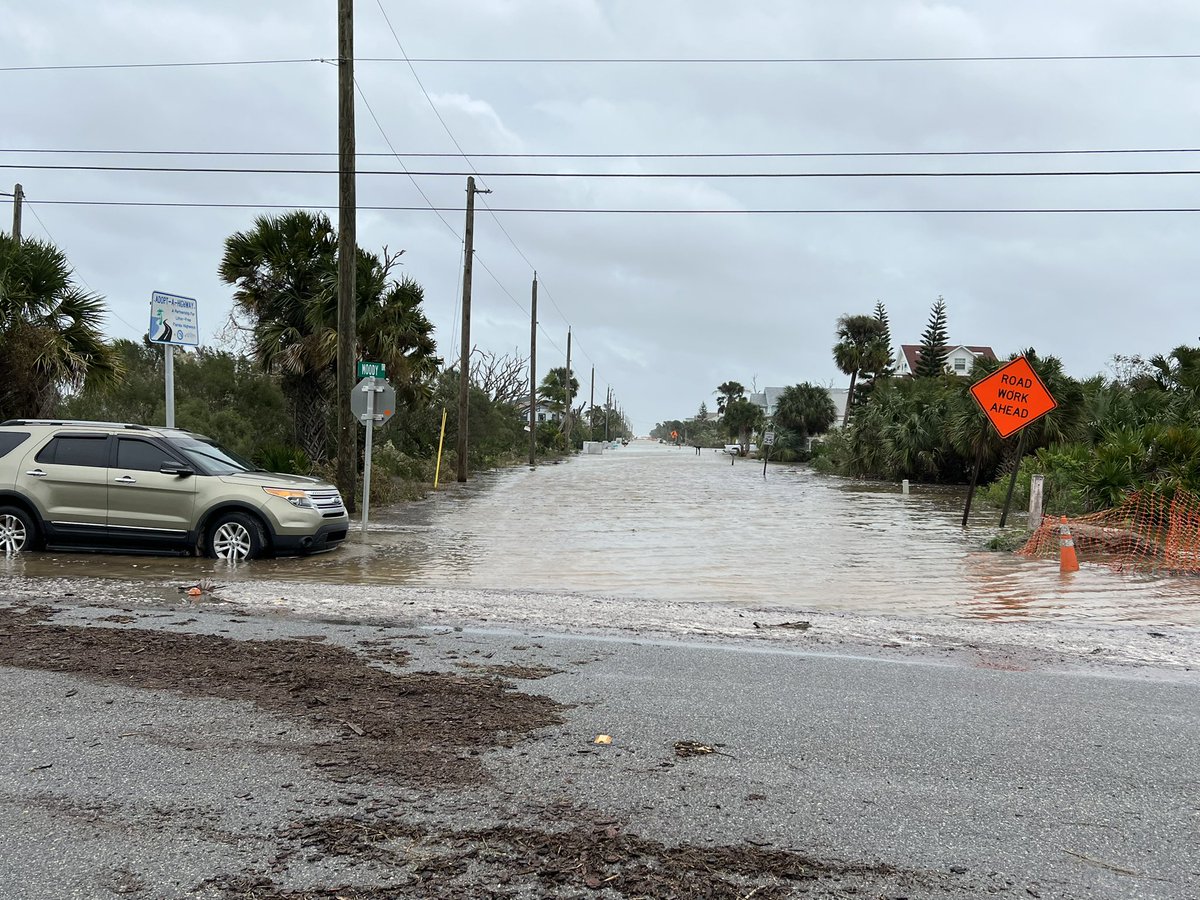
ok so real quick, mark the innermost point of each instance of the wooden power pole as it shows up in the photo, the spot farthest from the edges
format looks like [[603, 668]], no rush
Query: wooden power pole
[[592, 406], [570, 398], [533, 377], [347, 333], [18, 196], [464, 375]]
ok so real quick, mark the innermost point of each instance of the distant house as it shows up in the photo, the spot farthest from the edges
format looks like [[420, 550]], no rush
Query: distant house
[[959, 361], [544, 413], [767, 398]]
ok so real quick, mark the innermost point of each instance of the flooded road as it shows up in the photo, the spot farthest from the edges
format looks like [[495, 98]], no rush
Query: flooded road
[[650, 522]]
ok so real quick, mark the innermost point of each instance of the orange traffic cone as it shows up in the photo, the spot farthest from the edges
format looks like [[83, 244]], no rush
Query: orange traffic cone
[[1067, 561]]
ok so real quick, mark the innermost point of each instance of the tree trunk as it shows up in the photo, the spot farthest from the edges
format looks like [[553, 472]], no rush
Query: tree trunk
[[310, 413], [849, 398]]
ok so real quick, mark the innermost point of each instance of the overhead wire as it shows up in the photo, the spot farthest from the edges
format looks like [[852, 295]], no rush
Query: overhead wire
[[31, 206], [462, 153], [766, 154], [646, 211], [617, 60], [428, 203], [441, 173]]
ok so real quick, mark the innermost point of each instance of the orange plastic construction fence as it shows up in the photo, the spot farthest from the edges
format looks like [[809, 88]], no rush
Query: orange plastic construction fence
[[1147, 532]]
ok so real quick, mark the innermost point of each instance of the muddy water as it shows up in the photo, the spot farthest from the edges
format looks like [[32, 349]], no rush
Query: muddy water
[[652, 522]]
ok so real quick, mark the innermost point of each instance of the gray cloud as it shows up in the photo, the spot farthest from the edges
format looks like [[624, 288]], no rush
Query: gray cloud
[[664, 307]]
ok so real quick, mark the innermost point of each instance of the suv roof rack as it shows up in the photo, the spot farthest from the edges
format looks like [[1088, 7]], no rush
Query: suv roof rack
[[82, 422]]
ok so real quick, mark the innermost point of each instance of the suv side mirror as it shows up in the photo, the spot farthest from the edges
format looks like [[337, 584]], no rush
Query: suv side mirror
[[174, 468]]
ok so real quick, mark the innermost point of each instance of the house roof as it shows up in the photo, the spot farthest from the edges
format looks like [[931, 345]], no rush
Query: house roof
[[912, 353]]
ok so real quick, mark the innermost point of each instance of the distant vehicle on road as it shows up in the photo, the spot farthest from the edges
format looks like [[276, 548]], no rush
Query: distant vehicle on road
[[736, 449], [104, 485]]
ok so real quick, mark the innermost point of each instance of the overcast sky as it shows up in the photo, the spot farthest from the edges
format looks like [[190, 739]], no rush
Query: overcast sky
[[666, 307]]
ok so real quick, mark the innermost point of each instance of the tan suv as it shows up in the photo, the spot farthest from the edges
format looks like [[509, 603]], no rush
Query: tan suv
[[100, 485]]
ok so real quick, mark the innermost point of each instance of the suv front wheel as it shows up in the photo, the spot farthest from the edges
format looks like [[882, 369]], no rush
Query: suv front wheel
[[236, 536], [18, 531]]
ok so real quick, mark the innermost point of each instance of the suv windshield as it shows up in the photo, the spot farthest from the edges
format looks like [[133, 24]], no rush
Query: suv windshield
[[211, 458]]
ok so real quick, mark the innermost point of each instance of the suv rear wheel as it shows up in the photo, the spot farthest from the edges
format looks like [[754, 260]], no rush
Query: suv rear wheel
[[18, 531], [236, 536]]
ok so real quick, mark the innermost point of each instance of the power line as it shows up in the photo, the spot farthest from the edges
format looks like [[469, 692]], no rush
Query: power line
[[429, 204], [777, 60], [836, 154], [623, 61], [162, 65], [434, 173], [32, 208], [482, 200], [636, 211], [461, 152]]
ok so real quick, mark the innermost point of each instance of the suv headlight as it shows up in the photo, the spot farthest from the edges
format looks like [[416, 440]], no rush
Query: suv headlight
[[299, 499]]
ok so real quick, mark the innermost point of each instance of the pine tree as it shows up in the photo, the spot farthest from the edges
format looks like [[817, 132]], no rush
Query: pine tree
[[881, 316], [932, 359]]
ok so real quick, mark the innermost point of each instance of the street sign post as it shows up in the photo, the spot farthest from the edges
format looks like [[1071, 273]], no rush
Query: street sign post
[[174, 323], [768, 442], [1013, 397], [373, 401]]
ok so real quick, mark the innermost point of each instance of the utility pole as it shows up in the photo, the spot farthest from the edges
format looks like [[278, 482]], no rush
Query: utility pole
[[570, 398], [607, 407], [18, 196], [533, 378], [464, 375], [592, 405], [347, 333]]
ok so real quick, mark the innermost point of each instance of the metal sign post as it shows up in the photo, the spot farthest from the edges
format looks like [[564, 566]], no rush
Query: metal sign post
[[369, 418], [173, 323], [1012, 397], [373, 401], [768, 442]]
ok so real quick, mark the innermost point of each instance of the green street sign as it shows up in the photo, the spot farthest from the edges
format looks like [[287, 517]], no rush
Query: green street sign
[[372, 370]]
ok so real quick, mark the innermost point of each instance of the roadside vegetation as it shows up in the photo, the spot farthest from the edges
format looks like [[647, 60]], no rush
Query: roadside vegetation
[[267, 390], [1136, 428]]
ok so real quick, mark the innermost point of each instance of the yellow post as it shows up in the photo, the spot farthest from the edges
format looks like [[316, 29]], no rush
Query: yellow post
[[438, 468]]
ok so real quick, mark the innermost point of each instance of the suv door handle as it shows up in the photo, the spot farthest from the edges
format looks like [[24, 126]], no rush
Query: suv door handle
[[36, 473], [125, 479]]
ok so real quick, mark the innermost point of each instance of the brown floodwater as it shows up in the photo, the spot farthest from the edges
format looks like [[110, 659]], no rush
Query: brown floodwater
[[660, 523]]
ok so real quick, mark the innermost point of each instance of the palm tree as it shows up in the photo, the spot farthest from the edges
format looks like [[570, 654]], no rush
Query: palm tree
[[557, 390], [281, 269], [727, 393], [861, 347], [742, 417], [51, 340], [805, 410], [285, 270]]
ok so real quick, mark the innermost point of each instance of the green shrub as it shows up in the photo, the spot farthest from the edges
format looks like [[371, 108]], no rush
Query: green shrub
[[284, 459]]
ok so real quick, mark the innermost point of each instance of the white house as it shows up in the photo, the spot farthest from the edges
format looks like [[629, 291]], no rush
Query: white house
[[767, 398], [959, 361], [545, 413]]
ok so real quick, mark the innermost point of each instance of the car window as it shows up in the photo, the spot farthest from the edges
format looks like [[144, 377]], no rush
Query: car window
[[141, 455], [211, 458], [10, 440], [76, 450]]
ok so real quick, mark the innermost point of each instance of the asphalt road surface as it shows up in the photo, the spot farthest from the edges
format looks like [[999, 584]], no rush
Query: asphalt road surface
[[901, 777]]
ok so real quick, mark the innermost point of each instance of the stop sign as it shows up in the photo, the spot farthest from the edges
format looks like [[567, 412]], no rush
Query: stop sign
[[385, 400]]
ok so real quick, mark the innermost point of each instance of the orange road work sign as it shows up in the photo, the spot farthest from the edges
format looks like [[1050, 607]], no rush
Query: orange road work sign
[[1012, 397]]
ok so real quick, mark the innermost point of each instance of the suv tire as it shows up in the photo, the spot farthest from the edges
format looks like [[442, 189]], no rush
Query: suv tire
[[235, 536], [18, 531]]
